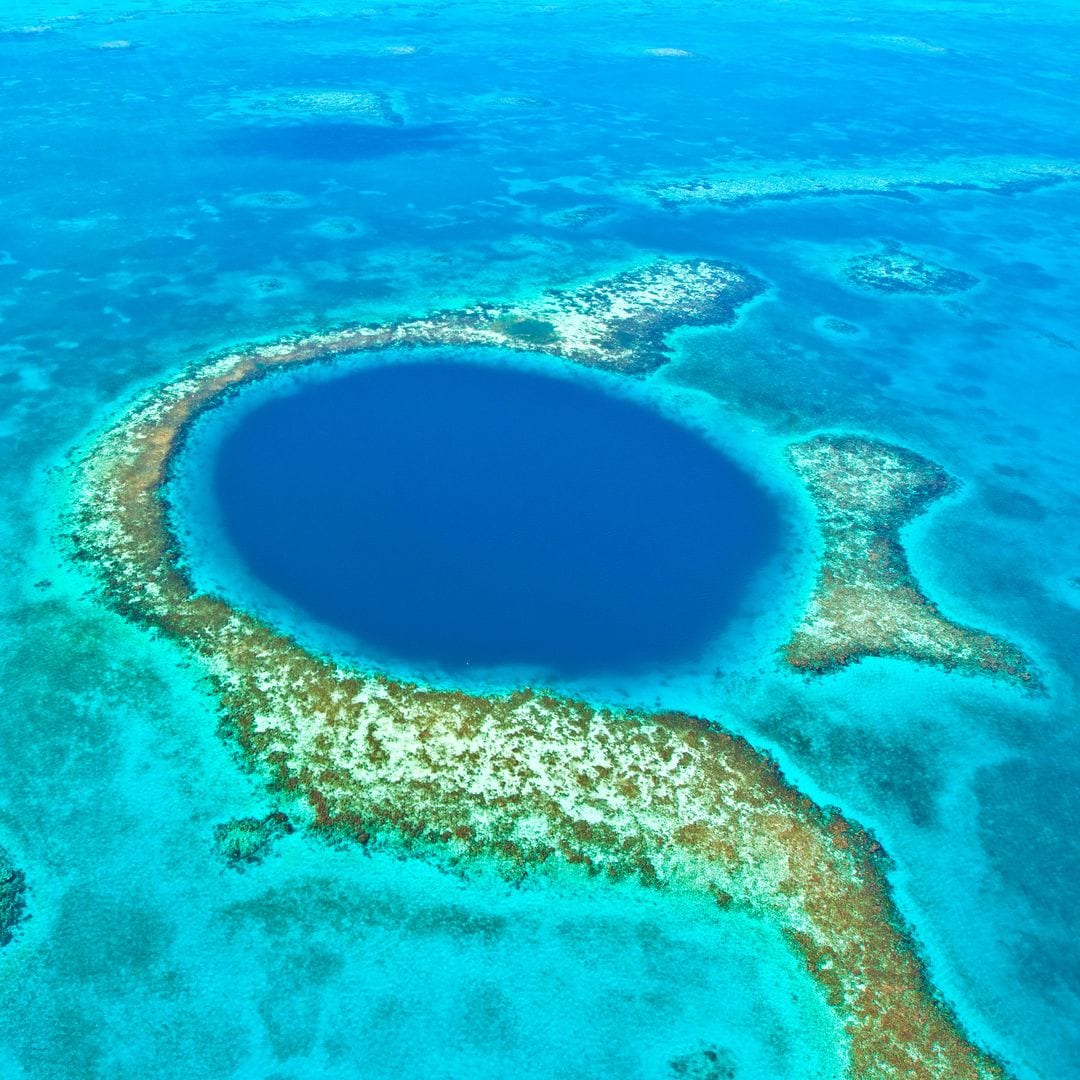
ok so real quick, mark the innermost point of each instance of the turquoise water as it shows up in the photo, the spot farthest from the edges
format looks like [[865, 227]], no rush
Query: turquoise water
[[194, 190], [467, 516]]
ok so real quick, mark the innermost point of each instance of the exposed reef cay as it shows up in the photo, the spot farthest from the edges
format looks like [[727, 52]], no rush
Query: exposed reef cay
[[530, 781], [867, 602], [903, 272], [12, 898], [739, 184]]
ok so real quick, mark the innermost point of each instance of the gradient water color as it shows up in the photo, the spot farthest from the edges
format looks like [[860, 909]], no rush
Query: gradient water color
[[175, 182]]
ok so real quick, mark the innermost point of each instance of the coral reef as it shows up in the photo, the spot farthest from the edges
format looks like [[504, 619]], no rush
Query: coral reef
[[294, 105], [621, 322], [738, 184], [839, 327], [24, 31], [709, 1063], [530, 781], [276, 200], [900, 271], [867, 602], [12, 898], [579, 216], [249, 839], [339, 228], [902, 42]]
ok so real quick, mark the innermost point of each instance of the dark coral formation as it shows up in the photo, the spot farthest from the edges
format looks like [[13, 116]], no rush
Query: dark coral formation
[[867, 602], [841, 327], [580, 216], [12, 898], [898, 271], [708, 1063], [248, 840], [534, 782]]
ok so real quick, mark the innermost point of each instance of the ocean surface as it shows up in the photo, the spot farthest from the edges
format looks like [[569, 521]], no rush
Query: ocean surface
[[177, 182]]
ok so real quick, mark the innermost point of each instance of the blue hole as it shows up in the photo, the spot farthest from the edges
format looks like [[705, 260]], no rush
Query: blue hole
[[470, 516]]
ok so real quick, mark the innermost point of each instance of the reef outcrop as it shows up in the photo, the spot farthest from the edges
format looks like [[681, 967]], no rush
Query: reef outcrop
[[867, 602], [248, 840], [622, 321], [12, 898], [740, 185], [531, 782], [302, 104], [899, 271]]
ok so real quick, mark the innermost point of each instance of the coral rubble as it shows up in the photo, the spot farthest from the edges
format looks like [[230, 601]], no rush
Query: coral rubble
[[867, 602]]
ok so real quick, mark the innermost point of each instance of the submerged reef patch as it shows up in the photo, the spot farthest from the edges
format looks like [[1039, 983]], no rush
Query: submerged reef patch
[[708, 1063], [12, 898], [900, 271], [780, 180], [271, 200], [295, 105], [838, 328], [339, 228], [867, 602], [902, 42], [248, 840], [579, 216], [531, 781]]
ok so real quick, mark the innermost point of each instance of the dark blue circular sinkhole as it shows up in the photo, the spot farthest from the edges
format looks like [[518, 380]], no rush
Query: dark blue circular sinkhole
[[464, 515]]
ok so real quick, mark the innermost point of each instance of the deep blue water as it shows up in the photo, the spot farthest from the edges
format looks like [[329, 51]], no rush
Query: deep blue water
[[461, 515]]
